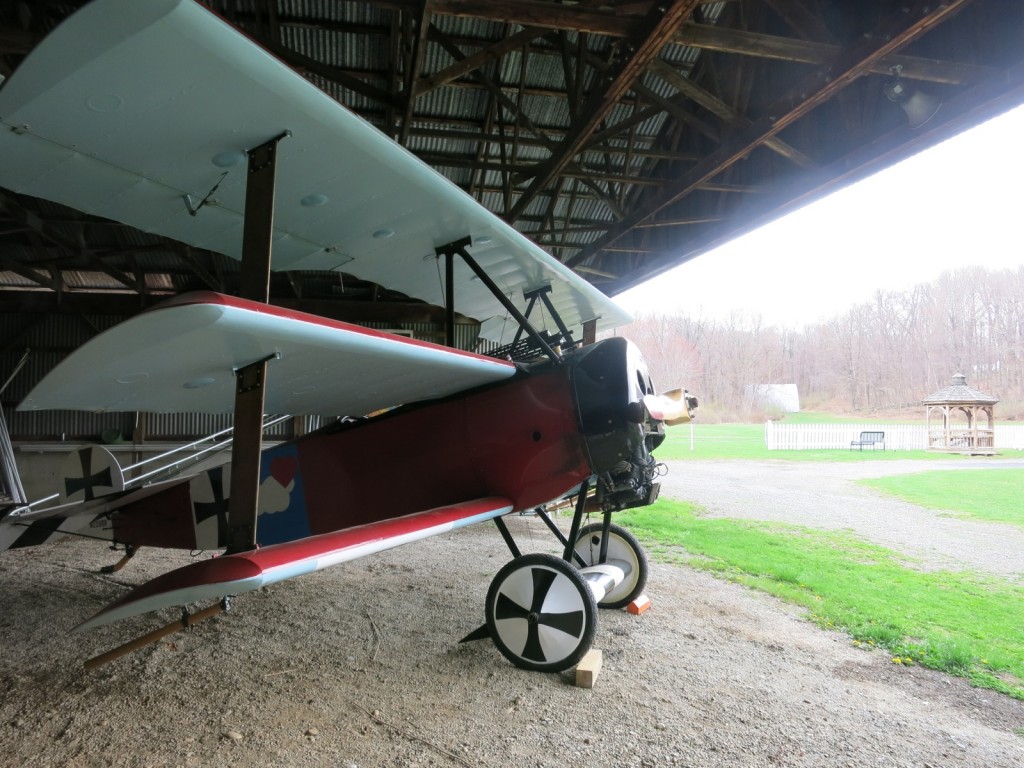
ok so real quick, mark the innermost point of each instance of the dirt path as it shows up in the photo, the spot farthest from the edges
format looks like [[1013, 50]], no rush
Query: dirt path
[[360, 666]]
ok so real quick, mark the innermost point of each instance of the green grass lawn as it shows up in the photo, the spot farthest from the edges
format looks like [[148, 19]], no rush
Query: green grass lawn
[[959, 623], [986, 494]]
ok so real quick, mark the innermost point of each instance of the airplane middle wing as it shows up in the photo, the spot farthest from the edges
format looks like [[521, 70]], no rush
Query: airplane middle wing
[[181, 357]]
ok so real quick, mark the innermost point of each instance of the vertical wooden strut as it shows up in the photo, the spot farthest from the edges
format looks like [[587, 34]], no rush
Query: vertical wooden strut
[[248, 435], [449, 299]]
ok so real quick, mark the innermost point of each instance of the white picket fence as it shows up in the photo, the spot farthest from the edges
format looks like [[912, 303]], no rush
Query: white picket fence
[[898, 437]]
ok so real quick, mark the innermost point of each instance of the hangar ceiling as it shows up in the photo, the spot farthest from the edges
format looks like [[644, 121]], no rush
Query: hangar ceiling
[[624, 137]]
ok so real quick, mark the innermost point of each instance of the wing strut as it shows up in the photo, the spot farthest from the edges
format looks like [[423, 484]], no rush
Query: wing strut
[[249, 391], [565, 339], [458, 247]]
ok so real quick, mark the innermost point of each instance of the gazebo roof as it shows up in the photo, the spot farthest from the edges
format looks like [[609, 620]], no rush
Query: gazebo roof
[[959, 392]]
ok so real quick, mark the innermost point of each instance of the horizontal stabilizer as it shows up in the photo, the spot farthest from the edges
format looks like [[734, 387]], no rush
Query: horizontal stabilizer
[[25, 527], [243, 572]]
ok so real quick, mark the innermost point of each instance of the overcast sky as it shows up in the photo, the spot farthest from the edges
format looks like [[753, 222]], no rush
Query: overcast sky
[[956, 204]]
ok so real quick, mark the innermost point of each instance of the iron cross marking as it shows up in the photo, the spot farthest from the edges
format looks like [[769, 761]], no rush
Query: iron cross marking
[[87, 481], [570, 622], [217, 508]]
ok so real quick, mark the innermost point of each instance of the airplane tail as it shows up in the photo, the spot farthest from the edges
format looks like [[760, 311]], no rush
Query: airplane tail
[[87, 474]]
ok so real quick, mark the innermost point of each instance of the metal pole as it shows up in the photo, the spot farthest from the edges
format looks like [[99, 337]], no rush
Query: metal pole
[[577, 519]]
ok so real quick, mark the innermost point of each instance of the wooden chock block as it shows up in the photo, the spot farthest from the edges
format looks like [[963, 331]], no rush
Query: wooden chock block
[[588, 669], [639, 605]]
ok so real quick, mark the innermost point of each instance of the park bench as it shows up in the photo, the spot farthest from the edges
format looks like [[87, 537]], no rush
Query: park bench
[[874, 439]]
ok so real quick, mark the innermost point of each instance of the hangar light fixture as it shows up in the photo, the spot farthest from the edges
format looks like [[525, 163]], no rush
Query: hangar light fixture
[[920, 107]]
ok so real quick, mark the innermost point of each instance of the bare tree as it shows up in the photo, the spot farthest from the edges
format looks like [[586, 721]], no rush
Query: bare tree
[[893, 350]]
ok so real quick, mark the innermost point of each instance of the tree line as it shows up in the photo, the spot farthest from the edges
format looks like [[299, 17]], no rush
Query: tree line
[[881, 355]]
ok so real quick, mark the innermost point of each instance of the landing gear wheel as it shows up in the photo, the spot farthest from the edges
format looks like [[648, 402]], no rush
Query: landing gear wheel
[[622, 545], [541, 613]]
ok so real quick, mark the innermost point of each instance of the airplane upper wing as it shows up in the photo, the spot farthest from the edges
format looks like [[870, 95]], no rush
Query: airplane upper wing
[[181, 356], [139, 110]]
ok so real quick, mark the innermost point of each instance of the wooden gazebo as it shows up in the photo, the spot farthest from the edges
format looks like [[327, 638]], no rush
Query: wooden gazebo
[[961, 409]]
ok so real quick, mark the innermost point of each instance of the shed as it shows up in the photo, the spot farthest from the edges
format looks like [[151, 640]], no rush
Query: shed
[[785, 397], [960, 408]]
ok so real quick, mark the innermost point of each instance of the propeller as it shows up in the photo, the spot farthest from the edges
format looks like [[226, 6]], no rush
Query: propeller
[[673, 407]]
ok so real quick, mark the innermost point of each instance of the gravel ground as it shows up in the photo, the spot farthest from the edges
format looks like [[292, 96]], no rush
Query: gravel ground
[[360, 665], [826, 496]]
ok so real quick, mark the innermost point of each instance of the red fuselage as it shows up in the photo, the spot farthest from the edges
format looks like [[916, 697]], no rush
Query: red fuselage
[[519, 439]]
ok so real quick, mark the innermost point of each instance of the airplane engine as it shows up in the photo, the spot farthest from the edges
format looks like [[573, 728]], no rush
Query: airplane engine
[[611, 380]]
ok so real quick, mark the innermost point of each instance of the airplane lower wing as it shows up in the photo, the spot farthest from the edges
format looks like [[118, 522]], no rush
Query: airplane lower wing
[[181, 357], [234, 574]]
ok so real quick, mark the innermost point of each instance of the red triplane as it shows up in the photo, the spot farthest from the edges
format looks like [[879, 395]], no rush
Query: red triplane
[[160, 115]]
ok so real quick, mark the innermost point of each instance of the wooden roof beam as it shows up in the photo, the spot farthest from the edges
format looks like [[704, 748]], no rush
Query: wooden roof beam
[[305, 64], [38, 277], [520, 118], [658, 27], [579, 18], [610, 149], [762, 46], [536, 13], [899, 29], [728, 115], [617, 174], [476, 60], [620, 23], [414, 64]]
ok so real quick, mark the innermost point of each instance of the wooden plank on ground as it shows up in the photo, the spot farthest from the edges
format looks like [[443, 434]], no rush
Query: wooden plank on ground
[[588, 669]]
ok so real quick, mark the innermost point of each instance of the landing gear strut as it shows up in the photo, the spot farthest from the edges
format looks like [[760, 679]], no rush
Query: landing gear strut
[[541, 610]]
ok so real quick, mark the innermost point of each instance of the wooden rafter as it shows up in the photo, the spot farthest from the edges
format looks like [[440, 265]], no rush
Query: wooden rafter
[[686, 157], [476, 60], [732, 117], [616, 24], [807, 95], [775, 47], [658, 27], [304, 63], [418, 43], [521, 119]]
